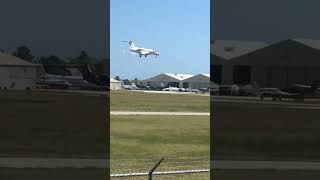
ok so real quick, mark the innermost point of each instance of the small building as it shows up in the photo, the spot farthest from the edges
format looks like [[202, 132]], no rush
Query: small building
[[167, 80], [199, 81], [16, 73], [115, 84]]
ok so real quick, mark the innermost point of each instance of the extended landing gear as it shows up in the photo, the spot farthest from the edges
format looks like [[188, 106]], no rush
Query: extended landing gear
[[140, 55], [145, 56]]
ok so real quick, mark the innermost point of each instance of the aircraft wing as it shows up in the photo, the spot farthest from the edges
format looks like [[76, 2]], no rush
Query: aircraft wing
[[139, 49], [144, 52]]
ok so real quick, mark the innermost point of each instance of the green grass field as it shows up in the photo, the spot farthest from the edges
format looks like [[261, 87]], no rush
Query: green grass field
[[264, 132], [100, 174], [138, 101], [200, 176], [264, 175], [53, 174], [58, 124], [138, 142]]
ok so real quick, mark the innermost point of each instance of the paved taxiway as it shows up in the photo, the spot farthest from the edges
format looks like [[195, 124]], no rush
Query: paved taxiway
[[104, 163], [160, 113], [171, 92], [287, 103], [277, 165]]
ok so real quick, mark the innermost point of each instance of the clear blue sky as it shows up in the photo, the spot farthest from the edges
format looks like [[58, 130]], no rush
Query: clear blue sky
[[268, 20], [179, 29]]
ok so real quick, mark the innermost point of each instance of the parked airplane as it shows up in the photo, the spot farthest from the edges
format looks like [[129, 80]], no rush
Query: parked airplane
[[73, 81], [305, 89], [141, 51], [53, 81]]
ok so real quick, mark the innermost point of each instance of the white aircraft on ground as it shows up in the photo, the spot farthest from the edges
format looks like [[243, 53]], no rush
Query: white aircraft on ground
[[141, 51]]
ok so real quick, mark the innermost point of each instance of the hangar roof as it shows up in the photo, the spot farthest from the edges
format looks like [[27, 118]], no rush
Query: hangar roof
[[112, 80], [198, 77], [179, 77], [9, 60], [309, 42], [208, 75], [229, 49], [173, 77]]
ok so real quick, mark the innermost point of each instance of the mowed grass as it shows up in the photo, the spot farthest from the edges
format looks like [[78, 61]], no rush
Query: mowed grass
[[138, 142], [139, 101], [200, 176], [264, 132], [264, 175], [35, 123], [53, 174], [81, 174]]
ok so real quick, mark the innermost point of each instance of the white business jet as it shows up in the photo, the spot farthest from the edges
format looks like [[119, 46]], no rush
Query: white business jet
[[141, 51]]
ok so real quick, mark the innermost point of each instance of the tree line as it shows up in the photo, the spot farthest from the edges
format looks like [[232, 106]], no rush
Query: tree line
[[24, 52], [136, 81]]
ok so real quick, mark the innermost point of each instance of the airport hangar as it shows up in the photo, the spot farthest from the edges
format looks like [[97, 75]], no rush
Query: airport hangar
[[16, 73], [279, 65], [179, 80]]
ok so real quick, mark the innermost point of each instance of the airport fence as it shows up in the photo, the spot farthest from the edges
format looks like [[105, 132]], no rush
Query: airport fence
[[124, 169]]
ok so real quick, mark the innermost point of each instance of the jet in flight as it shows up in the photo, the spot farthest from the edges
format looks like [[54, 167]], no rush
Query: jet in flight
[[141, 51]]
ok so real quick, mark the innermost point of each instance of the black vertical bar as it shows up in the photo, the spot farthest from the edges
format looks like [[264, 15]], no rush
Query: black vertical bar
[[154, 168]]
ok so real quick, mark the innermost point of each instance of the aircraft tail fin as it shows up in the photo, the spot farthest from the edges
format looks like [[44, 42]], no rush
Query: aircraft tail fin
[[131, 44]]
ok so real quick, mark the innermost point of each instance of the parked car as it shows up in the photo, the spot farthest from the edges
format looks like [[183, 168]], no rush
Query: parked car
[[248, 90], [275, 93], [214, 88], [53, 81], [195, 90], [232, 90]]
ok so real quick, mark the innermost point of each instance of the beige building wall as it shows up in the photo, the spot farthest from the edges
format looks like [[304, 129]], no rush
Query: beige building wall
[[115, 86], [17, 77]]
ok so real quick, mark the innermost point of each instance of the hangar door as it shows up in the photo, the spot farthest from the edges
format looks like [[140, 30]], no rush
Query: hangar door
[[216, 73], [241, 74], [296, 76], [174, 84], [277, 77], [313, 74], [185, 85]]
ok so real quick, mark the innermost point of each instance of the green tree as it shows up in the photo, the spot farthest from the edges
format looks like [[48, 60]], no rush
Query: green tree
[[117, 78], [83, 55], [135, 80], [51, 60], [126, 82], [84, 59], [23, 52]]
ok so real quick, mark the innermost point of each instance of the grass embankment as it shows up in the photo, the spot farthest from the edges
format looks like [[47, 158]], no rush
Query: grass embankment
[[53, 174], [264, 132], [52, 124], [138, 142], [264, 175], [200, 176]]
